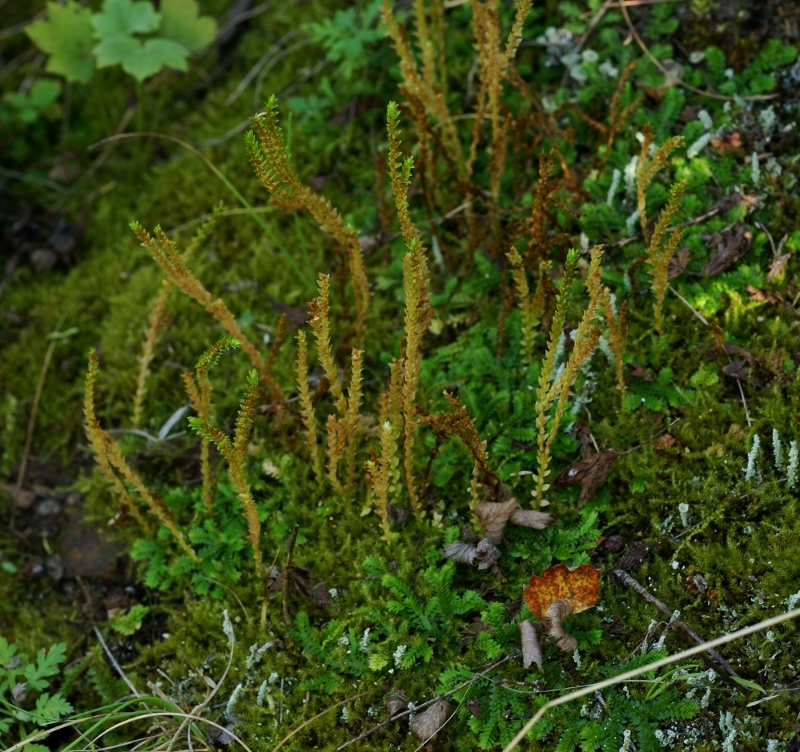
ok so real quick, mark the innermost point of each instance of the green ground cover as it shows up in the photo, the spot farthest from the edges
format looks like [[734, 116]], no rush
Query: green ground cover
[[639, 403]]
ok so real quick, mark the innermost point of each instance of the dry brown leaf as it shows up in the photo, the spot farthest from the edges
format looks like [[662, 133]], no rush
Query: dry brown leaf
[[531, 518], [463, 553], [739, 369], [678, 263], [554, 617], [486, 554], [426, 724], [579, 587], [777, 266], [635, 371], [396, 703], [727, 247], [634, 555], [493, 516], [531, 651], [765, 296], [664, 442], [590, 472]]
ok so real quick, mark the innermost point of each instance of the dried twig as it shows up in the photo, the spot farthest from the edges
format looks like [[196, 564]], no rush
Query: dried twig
[[679, 626]]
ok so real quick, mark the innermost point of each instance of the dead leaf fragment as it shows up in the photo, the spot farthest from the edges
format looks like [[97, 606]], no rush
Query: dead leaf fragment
[[590, 472], [426, 724], [765, 296], [579, 587], [554, 617], [463, 553], [634, 555], [727, 247], [396, 703], [777, 266], [493, 516], [678, 263], [486, 554], [531, 651], [531, 518]]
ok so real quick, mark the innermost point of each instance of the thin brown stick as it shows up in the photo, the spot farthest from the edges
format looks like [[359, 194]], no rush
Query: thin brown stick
[[286, 619], [679, 626]]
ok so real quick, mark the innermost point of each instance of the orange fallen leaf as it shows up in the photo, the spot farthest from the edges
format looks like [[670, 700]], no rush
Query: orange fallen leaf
[[579, 587]]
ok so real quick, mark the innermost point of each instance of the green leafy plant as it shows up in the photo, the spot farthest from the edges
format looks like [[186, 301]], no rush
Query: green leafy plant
[[27, 107], [130, 621], [128, 33], [24, 703], [347, 36], [627, 715]]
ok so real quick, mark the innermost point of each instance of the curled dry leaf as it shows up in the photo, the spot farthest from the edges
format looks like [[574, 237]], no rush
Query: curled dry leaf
[[493, 516], [483, 556], [396, 703], [463, 553], [426, 724], [579, 587], [554, 619], [531, 518], [531, 651], [486, 554]]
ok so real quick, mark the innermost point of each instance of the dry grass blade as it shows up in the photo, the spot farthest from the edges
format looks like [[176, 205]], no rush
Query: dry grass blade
[[299, 728]]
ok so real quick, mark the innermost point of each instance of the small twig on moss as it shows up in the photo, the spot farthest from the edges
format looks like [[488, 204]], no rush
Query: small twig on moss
[[679, 626]]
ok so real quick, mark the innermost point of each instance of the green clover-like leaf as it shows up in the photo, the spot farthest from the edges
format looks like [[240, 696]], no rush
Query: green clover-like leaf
[[182, 23], [125, 17], [141, 59], [29, 105], [65, 35]]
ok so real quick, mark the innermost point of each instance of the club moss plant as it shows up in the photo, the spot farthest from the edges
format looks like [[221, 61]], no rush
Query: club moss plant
[[366, 608]]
